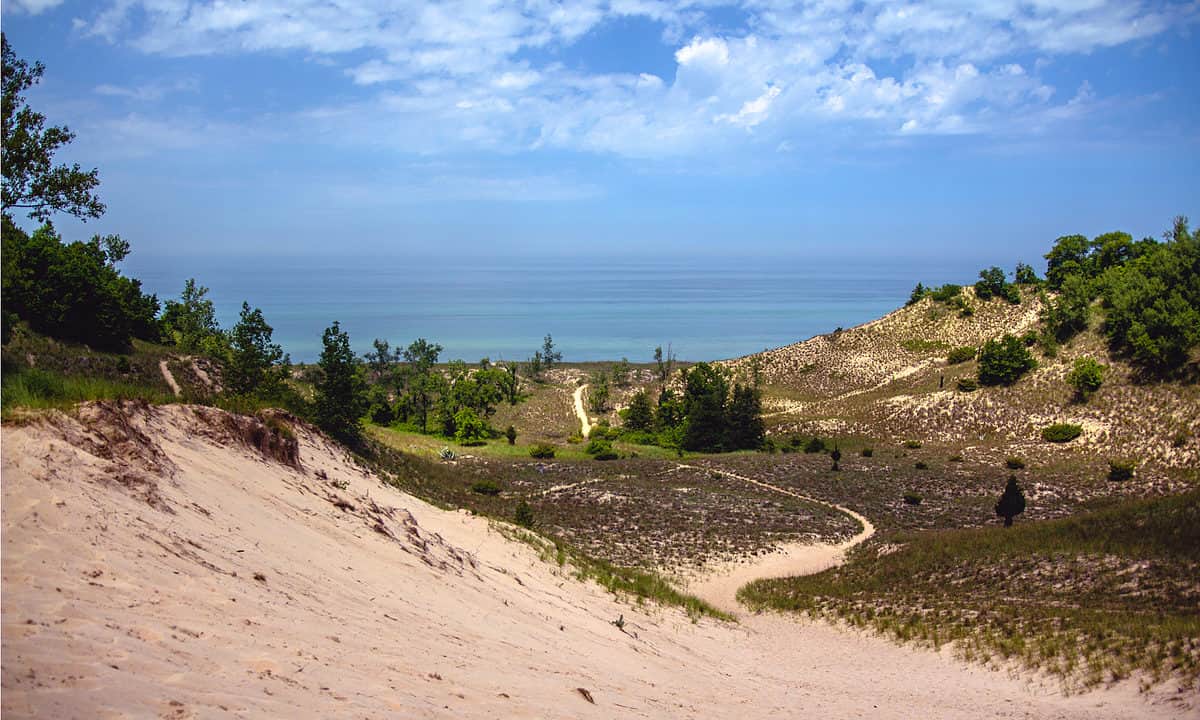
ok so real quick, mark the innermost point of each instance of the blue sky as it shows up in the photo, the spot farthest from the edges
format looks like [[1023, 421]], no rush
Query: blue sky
[[845, 129]]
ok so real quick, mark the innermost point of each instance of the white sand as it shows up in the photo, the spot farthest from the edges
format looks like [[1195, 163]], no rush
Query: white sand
[[584, 422], [114, 608]]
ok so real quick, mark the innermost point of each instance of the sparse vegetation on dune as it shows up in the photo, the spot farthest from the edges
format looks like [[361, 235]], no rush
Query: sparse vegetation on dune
[[1092, 598]]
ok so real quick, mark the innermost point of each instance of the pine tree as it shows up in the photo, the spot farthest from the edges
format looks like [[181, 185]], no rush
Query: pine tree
[[1012, 502], [342, 392]]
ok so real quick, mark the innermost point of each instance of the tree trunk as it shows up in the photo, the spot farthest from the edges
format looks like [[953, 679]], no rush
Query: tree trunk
[[1008, 520]]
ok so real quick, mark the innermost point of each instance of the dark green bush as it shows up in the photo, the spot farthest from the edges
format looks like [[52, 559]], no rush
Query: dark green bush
[[815, 445], [921, 465], [912, 498], [960, 355], [542, 451], [486, 487], [1119, 470], [867, 452], [1061, 432], [912, 444], [1014, 463], [1004, 361], [601, 449], [946, 293], [967, 384]]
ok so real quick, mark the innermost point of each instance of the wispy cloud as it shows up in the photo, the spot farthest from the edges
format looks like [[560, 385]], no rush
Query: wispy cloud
[[456, 74]]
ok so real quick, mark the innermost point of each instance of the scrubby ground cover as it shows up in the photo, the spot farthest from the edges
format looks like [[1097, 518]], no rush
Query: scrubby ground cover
[[1092, 598], [641, 512]]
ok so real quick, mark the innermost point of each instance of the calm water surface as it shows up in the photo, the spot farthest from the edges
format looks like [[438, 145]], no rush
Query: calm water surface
[[596, 309]]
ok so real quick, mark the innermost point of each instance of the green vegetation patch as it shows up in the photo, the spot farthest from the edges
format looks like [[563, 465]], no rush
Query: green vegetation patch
[[1061, 432], [1091, 598]]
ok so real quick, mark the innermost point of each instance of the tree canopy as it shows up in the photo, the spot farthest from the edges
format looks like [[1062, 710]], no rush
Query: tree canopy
[[31, 179]]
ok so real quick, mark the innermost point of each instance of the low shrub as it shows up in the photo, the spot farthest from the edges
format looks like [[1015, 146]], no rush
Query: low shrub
[[542, 451], [601, 449], [956, 458], [967, 384], [815, 445], [640, 437], [523, 515], [912, 444], [1119, 470], [1061, 432], [1014, 463], [960, 355], [921, 465], [486, 487], [446, 454], [946, 292], [1086, 377], [912, 498], [867, 452]]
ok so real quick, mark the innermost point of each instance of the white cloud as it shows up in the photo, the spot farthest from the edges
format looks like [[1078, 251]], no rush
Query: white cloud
[[33, 7], [711, 52], [455, 74]]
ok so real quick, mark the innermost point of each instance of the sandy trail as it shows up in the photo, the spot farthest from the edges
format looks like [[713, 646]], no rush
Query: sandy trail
[[584, 422], [154, 565], [719, 583], [170, 378]]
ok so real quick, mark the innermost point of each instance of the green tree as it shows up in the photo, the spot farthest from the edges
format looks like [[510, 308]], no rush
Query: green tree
[[421, 382], [469, 428], [1153, 301], [512, 384], [550, 356], [31, 179], [743, 419], [640, 414], [1025, 275], [991, 283], [598, 392], [74, 291], [1012, 501], [664, 364], [1068, 313], [535, 366], [381, 358], [511, 435], [254, 361], [1086, 377], [705, 392], [341, 392], [621, 372], [1069, 256], [1004, 361], [191, 322], [918, 293]]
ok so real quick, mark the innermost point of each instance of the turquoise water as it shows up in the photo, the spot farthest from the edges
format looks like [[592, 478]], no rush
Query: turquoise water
[[596, 309]]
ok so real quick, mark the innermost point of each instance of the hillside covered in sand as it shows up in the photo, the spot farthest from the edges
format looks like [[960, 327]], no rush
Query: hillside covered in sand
[[177, 561]]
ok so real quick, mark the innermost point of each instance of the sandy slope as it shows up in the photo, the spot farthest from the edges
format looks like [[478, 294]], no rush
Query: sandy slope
[[130, 556]]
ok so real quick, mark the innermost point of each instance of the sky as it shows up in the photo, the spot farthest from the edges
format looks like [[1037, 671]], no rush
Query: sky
[[473, 128]]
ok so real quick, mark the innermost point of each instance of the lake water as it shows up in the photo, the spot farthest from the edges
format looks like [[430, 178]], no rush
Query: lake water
[[596, 309]]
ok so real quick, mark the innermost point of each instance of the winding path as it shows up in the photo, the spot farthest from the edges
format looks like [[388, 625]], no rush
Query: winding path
[[584, 421], [719, 583]]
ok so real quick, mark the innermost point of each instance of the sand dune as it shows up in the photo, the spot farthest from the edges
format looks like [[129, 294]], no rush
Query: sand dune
[[156, 563]]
